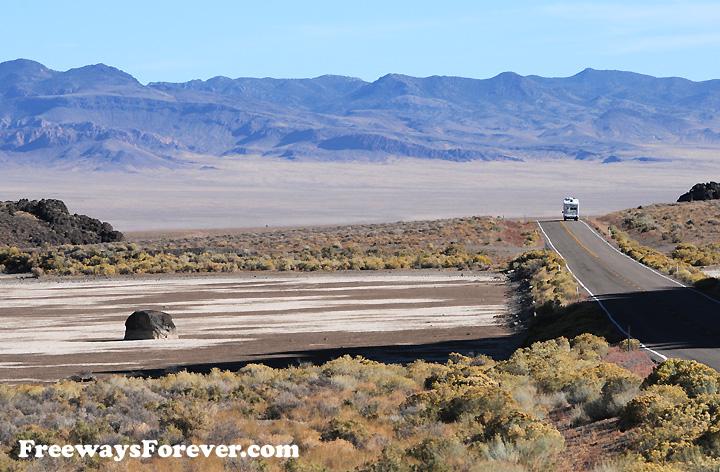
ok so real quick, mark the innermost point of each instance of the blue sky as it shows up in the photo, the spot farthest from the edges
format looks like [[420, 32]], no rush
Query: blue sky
[[183, 40]]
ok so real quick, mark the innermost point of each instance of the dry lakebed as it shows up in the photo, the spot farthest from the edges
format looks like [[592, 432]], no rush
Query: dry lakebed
[[53, 328]]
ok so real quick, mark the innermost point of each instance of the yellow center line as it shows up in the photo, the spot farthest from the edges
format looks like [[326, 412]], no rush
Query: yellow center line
[[596, 257], [663, 304], [578, 241]]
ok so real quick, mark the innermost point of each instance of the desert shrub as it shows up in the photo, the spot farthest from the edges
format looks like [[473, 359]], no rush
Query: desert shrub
[[686, 253], [462, 371], [33, 433], [14, 261], [439, 455], [574, 370], [679, 268], [475, 402], [189, 420], [647, 407], [589, 342], [602, 388], [497, 450], [470, 413], [282, 406], [637, 463], [350, 371], [687, 432], [619, 387], [580, 388], [415, 244], [257, 373], [517, 426], [391, 459], [535, 361], [84, 433], [693, 377], [350, 430], [519, 436], [697, 256], [629, 344]]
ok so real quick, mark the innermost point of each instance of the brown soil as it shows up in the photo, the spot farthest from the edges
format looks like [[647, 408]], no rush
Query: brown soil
[[591, 445]]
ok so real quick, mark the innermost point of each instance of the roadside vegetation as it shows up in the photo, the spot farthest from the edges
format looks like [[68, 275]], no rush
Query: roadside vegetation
[[678, 268], [678, 239], [554, 301], [471, 413], [679, 264], [463, 243], [686, 234], [567, 401], [664, 226]]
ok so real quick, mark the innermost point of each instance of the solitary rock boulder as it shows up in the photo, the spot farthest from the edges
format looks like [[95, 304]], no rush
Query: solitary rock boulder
[[150, 324]]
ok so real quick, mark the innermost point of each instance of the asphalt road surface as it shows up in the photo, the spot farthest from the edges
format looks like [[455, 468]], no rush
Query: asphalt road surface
[[669, 318]]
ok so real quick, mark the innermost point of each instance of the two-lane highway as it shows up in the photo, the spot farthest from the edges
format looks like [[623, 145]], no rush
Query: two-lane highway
[[670, 319]]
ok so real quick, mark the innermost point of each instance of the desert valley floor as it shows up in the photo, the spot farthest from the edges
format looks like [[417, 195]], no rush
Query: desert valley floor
[[53, 328]]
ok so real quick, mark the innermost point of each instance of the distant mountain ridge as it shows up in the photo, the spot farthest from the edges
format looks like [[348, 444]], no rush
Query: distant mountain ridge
[[99, 117]]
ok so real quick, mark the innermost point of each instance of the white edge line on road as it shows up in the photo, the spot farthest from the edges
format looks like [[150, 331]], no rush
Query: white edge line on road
[[596, 298], [648, 267]]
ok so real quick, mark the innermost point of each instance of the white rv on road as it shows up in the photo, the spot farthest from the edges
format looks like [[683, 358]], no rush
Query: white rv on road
[[571, 209]]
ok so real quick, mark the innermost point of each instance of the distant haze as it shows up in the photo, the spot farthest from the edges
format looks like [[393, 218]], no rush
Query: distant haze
[[255, 152]]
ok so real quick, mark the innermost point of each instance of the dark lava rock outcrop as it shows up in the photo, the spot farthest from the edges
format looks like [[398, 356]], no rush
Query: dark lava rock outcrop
[[31, 223], [708, 191], [150, 324]]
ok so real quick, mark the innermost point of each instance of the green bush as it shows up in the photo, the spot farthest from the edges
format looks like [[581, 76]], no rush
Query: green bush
[[476, 402], [469, 413]]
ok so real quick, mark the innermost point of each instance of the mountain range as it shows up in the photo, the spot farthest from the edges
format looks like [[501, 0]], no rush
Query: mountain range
[[99, 117]]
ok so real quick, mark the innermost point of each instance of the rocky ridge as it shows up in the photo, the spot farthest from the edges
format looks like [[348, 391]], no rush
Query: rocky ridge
[[32, 223], [700, 191]]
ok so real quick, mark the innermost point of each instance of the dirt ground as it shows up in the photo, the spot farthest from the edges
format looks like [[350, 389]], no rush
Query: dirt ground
[[53, 328]]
